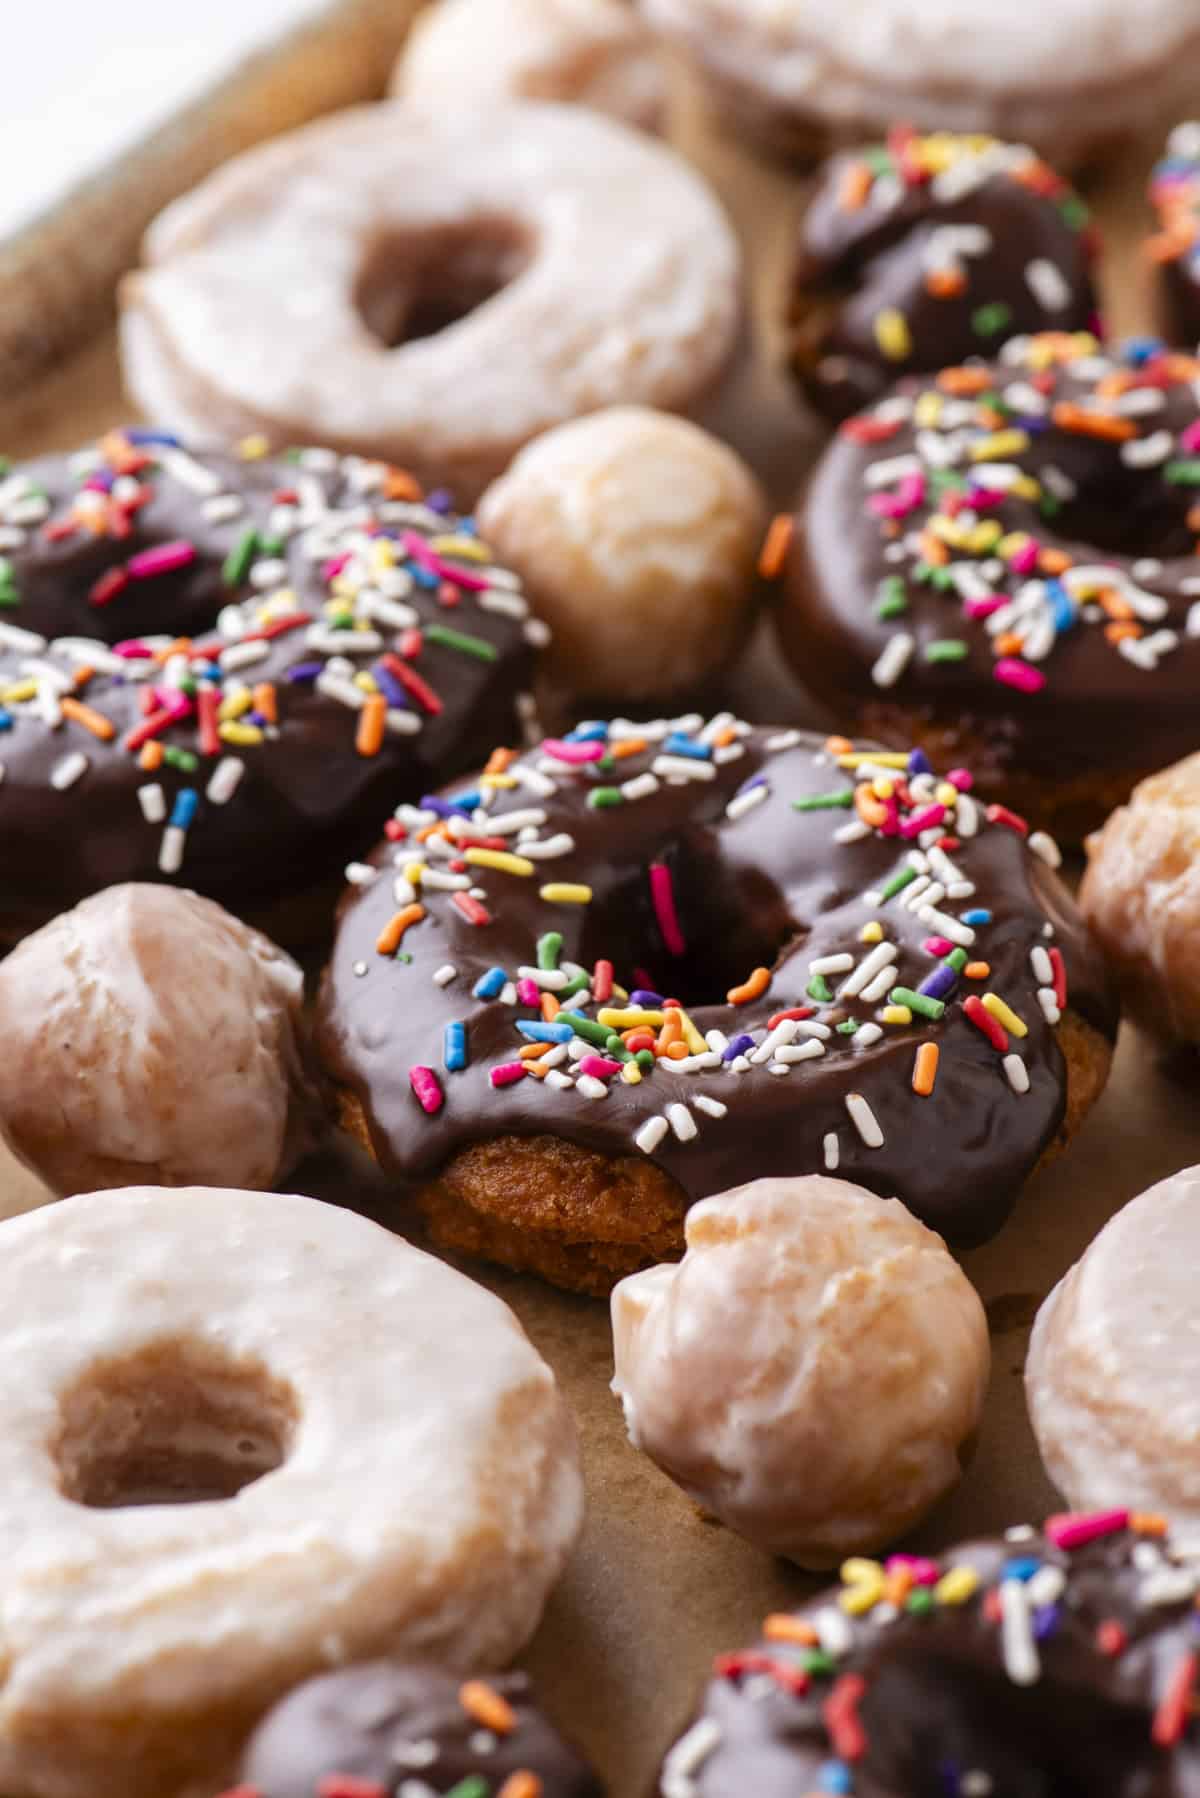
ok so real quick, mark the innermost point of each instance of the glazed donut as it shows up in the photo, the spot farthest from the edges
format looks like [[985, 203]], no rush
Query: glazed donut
[[999, 563], [1141, 898], [218, 670], [929, 250], [364, 1453], [636, 536], [1076, 78], [375, 1722], [357, 247], [1033, 1666], [800, 933], [151, 1036], [587, 52], [835, 1421], [1111, 1377], [1174, 249]]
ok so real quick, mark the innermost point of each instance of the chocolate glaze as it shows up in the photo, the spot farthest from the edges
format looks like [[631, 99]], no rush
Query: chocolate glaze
[[772, 888], [307, 799], [1098, 713], [859, 257], [390, 1723], [938, 1704], [1175, 248]]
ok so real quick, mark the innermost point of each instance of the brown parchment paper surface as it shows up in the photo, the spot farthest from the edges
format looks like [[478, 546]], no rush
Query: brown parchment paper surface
[[653, 1592]]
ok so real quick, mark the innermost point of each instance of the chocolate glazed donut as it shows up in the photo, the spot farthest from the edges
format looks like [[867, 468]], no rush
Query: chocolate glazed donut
[[827, 963], [1053, 1665], [929, 250], [219, 669], [999, 562]]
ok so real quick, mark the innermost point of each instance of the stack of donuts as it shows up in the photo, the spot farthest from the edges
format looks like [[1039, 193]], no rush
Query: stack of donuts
[[463, 755]]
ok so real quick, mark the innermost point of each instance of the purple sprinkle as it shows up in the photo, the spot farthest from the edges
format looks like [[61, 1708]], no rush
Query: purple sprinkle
[[918, 762], [647, 1000], [755, 780], [390, 687], [304, 671], [440, 500], [737, 1047], [1045, 1621], [940, 984], [445, 808]]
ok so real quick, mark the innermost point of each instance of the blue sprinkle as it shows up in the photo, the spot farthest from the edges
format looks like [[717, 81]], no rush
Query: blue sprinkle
[[304, 671], [143, 435], [677, 744], [1139, 350], [491, 984], [466, 802], [737, 1047], [1062, 606], [454, 1049], [919, 763], [588, 732], [423, 577], [545, 1033], [977, 916], [6, 719], [940, 984], [834, 1776], [1022, 1568], [184, 809], [649, 1001]]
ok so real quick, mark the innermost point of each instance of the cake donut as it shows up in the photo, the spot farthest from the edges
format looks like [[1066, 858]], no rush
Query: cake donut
[[836, 1419], [381, 1728], [642, 963], [363, 1455], [434, 291], [1076, 78], [586, 52], [999, 563], [1174, 249], [1042, 1663], [926, 250], [1111, 1377], [217, 669]]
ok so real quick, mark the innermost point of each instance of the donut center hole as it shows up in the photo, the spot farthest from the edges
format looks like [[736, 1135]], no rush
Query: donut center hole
[[414, 286], [176, 1423]]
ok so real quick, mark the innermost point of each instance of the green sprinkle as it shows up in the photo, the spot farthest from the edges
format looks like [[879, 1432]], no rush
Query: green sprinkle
[[236, 565], [902, 878], [5, 465], [941, 580], [272, 546], [957, 959], [815, 1660], [820, 989], [987, 321], [919, 1601], [183, 759], [587, 1028], [1049, 506], [922, 572], [470, 646], [823, 802], [9, 596], [946, 649], [947, 480], [848, 1028], [919, 1002], [616, 1048], [473, 1786], [549, 948], [891, 598], [404, 955], [578, 984], [341, 621], [645, 1060], [1183, 473], [600, 797], [1075, 212]]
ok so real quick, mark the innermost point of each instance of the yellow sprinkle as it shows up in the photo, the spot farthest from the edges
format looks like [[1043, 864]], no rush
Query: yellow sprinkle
[[628, 1020], [892, 334], [946, 794], [1084, 343], [928, 411], [631, 1073], [860, 1567], [383, 554], [884, 789], [957, 1586], [26, 689], [1011, 544], [984, 537], [897, 1014], [277, 605], [245, 734], [564, 892], [619, 992], [465, 549], [1004, 1014], [863, 1596], [872, 932], [342, 586], [366, 681], [234, 704], [692, 1036], [254, 447], [880, 759], [998, 445], [498, 780], [1025, 487], [414, 873], [501, 859]]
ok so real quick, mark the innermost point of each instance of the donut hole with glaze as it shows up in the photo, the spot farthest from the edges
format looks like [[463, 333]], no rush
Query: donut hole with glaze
[[175, 1422], [416, 284]]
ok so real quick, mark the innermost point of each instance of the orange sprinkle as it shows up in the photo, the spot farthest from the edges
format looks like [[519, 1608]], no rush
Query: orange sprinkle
[[1107, 425], [179, 647], [924, 1074], [677, 1050], [900, 1582], [839, 746], [1115, 604], [500, 761], [1008, 643], [531, 1051], [264, 701], [945, 283], [487, 1706], [1147, 1523], [872, 811], [776, 545], [671, 1032], [539, 1069], [933, 550], [1117, 633], [436, 829], [964, 381], [388, 940], [399, 484], [751, 988], [1170, 1719], [92, 720], [1193, 518], [857, 182], [977, 970], [521, 1784], [780, 1627], [369, 737], [1053, 561], [118, 452], [83, 676], [1165, 246], [550, 1008], [1112, 386], [151, 757], [628, 746], [724, 738]]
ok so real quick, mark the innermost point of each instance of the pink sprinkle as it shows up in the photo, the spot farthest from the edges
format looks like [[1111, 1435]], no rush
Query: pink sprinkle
[[331, 569], [1190, 439], [980, 498], [528, 992], [962, 778], [164, 558], [600, 1066], [132, 650], [937, 945], [983, 608], [1021, 675], [662, 894], [1073, 1529], [1024, 560], [924, 1572], [418, 549], [925, 819], [575, 753], [427, 1087], [508, 1075], [891, 824], [908, 495]]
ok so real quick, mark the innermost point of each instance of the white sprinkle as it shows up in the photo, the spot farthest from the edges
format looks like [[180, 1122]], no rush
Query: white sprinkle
[[687, 1757], [832, 1153], [1045, 846], [1020, 1532], [640, 787], [326, 641], [745, 802], [170, 854], [1018, 1073], [651, 1134], [1193, 620], [445, 974], [557, 1078], [739, 1065], [1043, 967], [540, 784], [831, 964], [1048, 1000], [225, 779], [864, 1120], [784, 739], [873, 964], [536, 632], [554, 1056], [947, 926], [1147, 452], [683, 767], [64, 774], [13, 637], [336, 686], [682, 1122], [241, 655], [805, 1051], [853, 832], [834, 1630], [223, 507], [977, 1784], [809, 1027], [360, 874], [1047, 1586], [550, 848], [359, 969], [783, 1033], [879, 987], [530, 817], [1170, 1586], [445, 882], [590, 1087], [778, 1067], [386, 610], [866, 1034], [153, 802], [402, 724], [717, 1041], [1021, 1661], [894, 660], [713, 1107], [966, 816], [270, 572], [1047, 283], [507, 605], [551, 980], [508, 993]]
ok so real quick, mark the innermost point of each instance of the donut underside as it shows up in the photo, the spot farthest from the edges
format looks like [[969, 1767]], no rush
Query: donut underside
[[543, 1205]]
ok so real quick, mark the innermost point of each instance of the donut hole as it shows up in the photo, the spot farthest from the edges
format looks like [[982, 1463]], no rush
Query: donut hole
[[178, 1422], [414, 285]]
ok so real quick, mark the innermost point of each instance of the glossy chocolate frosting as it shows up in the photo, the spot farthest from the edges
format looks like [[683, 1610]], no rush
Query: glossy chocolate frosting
[[928, 250], [1011, 1669], [71, 528], [769, 887], [1174, 250], [408, 1729], [983, 486]]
